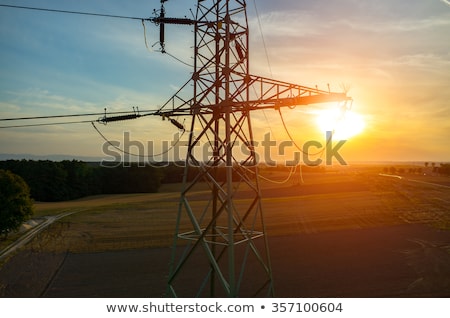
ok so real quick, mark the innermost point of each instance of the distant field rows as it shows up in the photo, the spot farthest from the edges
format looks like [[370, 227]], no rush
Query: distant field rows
[[148, 220]]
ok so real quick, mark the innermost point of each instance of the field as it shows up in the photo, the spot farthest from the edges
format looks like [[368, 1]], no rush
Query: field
[[344, 233]]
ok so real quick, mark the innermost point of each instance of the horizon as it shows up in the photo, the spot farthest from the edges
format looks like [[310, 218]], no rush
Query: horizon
[[87, 159]]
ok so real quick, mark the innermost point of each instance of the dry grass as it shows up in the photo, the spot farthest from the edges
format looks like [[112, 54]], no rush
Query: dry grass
[[120, 222], [112, 223], [325, 204]]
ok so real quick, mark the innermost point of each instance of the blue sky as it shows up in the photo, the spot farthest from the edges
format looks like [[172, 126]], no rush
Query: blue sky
[[394, 56]]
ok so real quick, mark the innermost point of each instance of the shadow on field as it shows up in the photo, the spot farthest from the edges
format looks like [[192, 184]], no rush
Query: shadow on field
[[395, 261]]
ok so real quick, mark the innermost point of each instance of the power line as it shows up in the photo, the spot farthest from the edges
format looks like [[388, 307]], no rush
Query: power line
[[262, 37], [320, 152], [182, 21], [134, 154], [291, 173], [267, 58], [164, 51], [53, 116], [104, 119], [46, 124], [75, 115], [74, 12]]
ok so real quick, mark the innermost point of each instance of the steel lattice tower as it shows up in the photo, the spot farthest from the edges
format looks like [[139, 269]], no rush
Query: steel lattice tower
[[222, 232], [220, 245]]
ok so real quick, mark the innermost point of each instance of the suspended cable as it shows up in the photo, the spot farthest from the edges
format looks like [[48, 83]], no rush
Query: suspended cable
[[177, 59], [145, 35], [104, 119], [72, 12], [291, 173], [267, 58], [164, 51], [102, 15], [262, 37], [48, 117], [72, 115], [295, 144], [46, 124], [138, 155]]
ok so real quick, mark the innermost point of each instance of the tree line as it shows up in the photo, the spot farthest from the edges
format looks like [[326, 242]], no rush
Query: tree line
[[68, 180], [443, 169]]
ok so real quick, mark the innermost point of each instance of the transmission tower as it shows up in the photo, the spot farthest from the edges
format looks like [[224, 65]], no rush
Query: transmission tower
[[220, 244]]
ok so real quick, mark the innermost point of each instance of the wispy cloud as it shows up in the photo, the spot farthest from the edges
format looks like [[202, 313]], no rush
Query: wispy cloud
[[394, 53], [404, 25]]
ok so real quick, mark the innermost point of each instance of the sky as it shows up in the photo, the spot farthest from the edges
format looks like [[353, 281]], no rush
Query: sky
[[393, 58]]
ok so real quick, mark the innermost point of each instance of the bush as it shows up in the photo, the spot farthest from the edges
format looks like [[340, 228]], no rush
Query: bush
[[15, 204]]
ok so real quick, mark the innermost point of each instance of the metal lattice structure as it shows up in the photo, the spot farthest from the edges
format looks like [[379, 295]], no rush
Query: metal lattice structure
[[220, 243]]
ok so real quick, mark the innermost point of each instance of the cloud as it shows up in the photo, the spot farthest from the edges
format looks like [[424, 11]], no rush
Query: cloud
[[36, 101], [394, 53], [424, 60], [8, 108], [402, 25]]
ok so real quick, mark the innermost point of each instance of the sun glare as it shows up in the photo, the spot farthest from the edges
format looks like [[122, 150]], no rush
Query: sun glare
[[344, 125]]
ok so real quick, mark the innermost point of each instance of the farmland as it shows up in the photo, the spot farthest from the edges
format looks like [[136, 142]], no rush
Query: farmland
[[343, 233]]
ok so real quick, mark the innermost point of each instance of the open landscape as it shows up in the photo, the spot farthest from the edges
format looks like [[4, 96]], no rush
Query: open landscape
[[348, 232], [221, 149]]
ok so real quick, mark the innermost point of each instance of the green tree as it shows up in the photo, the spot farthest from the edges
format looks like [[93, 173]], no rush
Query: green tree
[[15, 203]]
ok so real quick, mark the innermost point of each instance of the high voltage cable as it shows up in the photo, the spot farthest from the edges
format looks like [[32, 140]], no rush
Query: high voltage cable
[[76, 115], [153, 112], [262, 37], [164, 51], [97, 15], [291, 173], [73, 12], [320, 152], [88, 14], [49, 117], [267, 58], [138, 155], [46, 124], [104, 120]]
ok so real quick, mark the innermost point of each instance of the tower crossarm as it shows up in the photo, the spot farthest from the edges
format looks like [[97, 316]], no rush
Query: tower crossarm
[[254, 93], [267, 93]]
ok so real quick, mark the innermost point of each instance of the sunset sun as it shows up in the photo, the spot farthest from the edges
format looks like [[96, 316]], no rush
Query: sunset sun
[[344, 125]]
